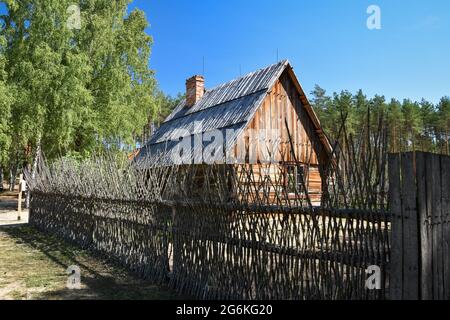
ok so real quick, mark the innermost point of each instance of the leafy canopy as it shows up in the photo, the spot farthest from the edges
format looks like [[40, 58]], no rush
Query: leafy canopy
[[73, 91]]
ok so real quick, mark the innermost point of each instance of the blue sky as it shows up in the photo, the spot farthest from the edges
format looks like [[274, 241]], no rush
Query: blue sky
[[327, 42]]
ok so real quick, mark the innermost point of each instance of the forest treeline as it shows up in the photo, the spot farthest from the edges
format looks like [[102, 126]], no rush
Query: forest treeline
[[408, 125]]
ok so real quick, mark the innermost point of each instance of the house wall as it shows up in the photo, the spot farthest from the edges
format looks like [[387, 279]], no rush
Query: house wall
[[283, 114]]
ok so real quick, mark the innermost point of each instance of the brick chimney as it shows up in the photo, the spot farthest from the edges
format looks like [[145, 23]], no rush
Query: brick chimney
[[195, 88]]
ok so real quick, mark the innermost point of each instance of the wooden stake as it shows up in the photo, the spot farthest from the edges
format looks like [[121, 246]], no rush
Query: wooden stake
[[19, 205]]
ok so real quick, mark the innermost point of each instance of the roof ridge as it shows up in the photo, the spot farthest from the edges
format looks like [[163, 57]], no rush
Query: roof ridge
[[281, 62], [218, 105], [250, 83]]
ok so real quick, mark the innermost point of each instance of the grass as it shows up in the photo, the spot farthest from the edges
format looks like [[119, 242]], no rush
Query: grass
[[33, 266]]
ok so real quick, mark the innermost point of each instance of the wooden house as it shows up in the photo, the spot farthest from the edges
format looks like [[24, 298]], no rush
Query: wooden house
[[259, 118]]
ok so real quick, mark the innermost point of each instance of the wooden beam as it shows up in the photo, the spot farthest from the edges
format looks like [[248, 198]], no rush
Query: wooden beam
[[426, 279], [410, 230], [396, 271]]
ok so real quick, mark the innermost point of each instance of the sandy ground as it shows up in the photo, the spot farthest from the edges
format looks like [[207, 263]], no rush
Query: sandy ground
[[11, 217], [8, 209]]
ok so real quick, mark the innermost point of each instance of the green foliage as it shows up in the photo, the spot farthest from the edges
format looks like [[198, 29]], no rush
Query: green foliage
[[443, 124], [165, 105], [395, 125], [73, 91], [6, 100], [409, 125]]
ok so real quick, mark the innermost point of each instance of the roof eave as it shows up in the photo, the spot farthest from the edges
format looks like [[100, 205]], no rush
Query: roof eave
[[309, 109]]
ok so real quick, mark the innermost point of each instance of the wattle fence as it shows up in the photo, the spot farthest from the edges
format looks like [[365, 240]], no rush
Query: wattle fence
[[207, 243]]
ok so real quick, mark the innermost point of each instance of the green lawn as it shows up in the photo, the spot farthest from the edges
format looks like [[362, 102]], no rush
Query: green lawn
[[33, 266]]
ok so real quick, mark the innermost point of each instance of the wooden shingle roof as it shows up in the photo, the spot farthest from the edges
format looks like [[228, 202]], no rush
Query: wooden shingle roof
[[229, 106]]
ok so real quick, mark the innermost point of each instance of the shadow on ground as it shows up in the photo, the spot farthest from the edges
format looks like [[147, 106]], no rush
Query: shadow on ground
[[100, 279]]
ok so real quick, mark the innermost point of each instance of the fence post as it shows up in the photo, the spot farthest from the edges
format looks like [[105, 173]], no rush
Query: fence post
[[445, 167], [424, 210], [404, 275], [410, 229], [19, 201], [396, 270], [436, 227]]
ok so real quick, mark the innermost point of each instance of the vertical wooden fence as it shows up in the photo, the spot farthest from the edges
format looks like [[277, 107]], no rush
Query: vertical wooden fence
[[420, 206]]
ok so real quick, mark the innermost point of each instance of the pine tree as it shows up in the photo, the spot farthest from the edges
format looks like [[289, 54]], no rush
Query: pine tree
[[395, 125], [409, 125], [427, 139], [323, 108], [443, 124], [361, 105], [412, 123]]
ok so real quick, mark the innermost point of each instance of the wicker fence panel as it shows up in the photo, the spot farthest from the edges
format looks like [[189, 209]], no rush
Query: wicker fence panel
[[297, 254], [227, 237], [133, 234]]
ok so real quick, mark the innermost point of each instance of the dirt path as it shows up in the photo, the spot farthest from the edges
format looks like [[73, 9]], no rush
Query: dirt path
[[8, 210], [33, 266], [10, 218]]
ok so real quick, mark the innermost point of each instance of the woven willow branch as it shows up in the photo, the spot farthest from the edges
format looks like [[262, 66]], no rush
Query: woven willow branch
[[228, 231]]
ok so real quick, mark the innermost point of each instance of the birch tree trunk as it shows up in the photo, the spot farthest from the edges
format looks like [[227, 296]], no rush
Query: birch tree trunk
[[12, 177], [33, 171], [1, 179]]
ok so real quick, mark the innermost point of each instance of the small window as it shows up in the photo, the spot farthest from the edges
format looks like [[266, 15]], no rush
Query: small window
[[295, 177]]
